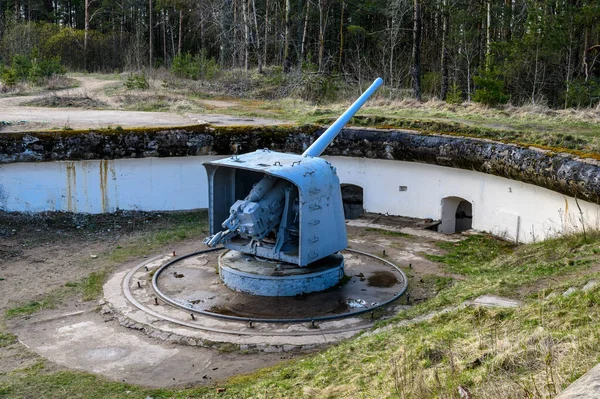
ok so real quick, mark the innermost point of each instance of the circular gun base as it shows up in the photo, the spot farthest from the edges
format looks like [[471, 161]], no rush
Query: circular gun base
[[246, 273]]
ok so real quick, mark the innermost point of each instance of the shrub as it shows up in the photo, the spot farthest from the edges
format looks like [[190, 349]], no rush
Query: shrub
[[194, 67], [320, 88], [489, 88], [185, 66], [582, 93], [21, 66], [455, 95], [137, 81], [8, 77], [32, 68], [44, 68], [431, 82]]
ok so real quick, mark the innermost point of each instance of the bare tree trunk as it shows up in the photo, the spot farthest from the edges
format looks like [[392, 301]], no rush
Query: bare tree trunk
[[304, 33], [509, 15], [225, 45], [286, 40], [246, 34], [322, 26], [488, 36], [180, 38], [341, 36], [235, 35], [173, 52], [584, 60], [445, 25], [390, 79], [164, 31], [569, 61], [257, 36], [150, 28], [203, 28], [266, 32], [86, 32], [416, 51]]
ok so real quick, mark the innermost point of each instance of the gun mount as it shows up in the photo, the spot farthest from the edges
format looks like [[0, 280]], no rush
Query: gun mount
[[281, 207]]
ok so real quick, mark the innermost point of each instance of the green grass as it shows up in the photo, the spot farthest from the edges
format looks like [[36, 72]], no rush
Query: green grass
[[7, 339], [388, 232], [467, 256], [31, 307], [90, 287]]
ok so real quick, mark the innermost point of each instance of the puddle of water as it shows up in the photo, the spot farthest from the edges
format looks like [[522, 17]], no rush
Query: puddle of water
[[382, 279], [223, 310], [356, 303]]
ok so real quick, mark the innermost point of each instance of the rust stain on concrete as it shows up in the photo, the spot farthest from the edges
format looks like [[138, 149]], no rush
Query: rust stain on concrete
[[104, 184], [71, 187]]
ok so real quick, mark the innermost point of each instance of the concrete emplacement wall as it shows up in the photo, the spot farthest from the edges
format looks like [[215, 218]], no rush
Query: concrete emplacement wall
[[511, 209]]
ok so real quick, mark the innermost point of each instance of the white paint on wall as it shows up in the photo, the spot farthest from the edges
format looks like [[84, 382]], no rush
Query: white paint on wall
[[508, 208], [511, 209], [105, 186]]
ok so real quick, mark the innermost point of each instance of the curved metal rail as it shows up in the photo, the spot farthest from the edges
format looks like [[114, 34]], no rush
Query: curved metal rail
[[171, 302]]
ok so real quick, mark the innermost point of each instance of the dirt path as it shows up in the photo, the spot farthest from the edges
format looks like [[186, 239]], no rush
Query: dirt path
[[88, 86], [17, 117]]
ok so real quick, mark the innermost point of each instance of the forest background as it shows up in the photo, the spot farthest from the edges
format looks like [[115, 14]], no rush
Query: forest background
[[489, 51]]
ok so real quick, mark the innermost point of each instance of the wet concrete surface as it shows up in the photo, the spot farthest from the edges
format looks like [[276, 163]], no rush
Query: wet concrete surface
[[368, 282]]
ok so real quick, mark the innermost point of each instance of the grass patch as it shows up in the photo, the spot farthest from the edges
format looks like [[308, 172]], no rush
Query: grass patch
[[466, 257], [388, 232], [90, 287], [30, 308], [7, 339], [69, 384]]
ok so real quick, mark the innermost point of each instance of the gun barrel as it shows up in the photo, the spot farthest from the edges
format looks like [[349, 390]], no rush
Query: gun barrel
[[327, 137]]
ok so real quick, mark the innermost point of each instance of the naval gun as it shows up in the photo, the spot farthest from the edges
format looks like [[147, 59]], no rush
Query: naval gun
[[279, 206]]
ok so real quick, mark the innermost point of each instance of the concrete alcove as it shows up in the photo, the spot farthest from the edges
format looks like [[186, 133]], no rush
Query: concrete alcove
[[457, 215], [352, 197]]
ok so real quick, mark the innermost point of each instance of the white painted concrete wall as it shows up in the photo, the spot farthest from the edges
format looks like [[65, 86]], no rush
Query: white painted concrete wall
[[104, 186], [508, 208]]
